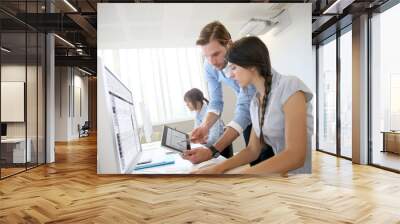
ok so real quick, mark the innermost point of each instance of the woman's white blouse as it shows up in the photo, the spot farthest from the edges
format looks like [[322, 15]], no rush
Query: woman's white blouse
[[282, 88], [216, 131]]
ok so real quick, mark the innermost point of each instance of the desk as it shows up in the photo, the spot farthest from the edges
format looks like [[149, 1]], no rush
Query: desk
[[391, 141], [157, 153], [13, 150]]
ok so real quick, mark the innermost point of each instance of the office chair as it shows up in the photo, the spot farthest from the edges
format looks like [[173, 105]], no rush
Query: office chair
[[84, 130]]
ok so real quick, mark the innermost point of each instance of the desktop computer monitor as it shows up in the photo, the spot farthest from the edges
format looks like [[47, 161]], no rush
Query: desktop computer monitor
[[3, 130], [119, 147]]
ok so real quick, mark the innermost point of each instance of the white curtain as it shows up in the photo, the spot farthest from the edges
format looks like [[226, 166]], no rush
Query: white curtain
[[159, 77]]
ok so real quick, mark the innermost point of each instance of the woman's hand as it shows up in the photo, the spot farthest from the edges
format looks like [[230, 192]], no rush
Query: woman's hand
[[213, 169]]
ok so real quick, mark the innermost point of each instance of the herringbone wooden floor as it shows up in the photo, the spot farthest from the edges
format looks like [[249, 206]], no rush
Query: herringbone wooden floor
[[70, 191]]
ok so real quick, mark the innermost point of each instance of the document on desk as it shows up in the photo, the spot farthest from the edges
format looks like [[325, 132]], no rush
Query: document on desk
[[180, 166]]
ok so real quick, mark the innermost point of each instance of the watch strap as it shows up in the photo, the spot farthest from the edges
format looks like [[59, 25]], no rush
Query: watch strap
[[214, 151]]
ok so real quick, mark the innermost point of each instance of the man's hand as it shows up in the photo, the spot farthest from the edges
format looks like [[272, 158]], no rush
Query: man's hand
[[197, 155], [199, 135]]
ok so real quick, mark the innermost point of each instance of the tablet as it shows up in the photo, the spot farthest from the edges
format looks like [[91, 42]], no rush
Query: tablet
[[174, 139]]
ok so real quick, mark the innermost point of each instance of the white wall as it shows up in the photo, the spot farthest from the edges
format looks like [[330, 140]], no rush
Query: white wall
[[61, 103], [33, 125], [81, 83], [12, 73], [68, 83], [291, 49]]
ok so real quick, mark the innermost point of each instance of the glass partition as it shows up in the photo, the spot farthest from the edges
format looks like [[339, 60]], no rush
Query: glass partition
[[13, 105], [23, 89]]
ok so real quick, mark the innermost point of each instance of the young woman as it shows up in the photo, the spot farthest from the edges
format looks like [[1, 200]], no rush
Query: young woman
[[197, 103], [281, 114]]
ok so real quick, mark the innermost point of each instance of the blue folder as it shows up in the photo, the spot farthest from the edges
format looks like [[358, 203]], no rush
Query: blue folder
[[167, 161]]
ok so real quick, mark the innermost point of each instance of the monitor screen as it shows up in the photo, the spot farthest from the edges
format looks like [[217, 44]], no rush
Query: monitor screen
[[3, 129], [126, 132], [125, 129]]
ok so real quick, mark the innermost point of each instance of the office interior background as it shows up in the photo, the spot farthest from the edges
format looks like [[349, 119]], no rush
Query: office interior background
[[29, 59], [148, 58], [74, 61], [48, 81]]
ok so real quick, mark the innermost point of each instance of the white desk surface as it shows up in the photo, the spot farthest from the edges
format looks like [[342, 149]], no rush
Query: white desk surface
[[13, 140], [157, 153]]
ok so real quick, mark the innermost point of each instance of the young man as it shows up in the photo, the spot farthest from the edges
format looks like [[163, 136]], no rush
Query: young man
[[214, 41]]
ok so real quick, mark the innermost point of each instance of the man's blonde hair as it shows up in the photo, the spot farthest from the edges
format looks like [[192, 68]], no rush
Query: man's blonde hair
[[214, 31]]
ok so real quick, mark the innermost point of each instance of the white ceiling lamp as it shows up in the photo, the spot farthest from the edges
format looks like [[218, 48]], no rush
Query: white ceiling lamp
[[65, 41], [84, 71], [70, 5], [5, 50], [260, 26], [337, 7], [284, 21], [79, 51], [256, 26]]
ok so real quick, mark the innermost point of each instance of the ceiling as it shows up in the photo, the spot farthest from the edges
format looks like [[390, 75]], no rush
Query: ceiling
[[157, 23], [23, 47], [171, 25]]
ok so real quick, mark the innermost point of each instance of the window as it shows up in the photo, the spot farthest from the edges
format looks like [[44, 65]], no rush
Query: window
[[394, 101], [385, 88], [159, 77], [333, 137], [327, 97], [346, 94]]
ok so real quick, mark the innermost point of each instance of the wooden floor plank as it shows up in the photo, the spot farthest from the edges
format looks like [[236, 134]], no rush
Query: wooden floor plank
[[70, 191]]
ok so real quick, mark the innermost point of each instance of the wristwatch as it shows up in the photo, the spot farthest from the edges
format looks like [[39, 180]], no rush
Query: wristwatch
[[214, 151]]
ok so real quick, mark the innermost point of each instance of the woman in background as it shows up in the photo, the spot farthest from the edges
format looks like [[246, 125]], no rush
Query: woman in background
[[197, 103]]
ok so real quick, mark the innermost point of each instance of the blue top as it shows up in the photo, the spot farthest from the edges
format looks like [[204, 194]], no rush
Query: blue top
[[215, 131], [215, 78]]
